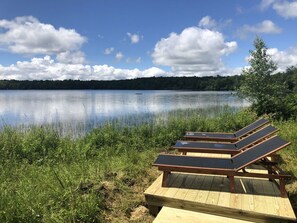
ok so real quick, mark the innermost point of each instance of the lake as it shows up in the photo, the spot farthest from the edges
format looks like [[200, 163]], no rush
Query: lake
[[98, 106]]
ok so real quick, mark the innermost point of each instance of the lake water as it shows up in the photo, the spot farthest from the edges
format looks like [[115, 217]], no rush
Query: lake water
[[97, 106]]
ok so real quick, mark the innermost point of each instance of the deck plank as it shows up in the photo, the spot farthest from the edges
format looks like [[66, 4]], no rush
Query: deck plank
[[204, 190], [185, 186], [259, 196], [163, 190], [155, 186], [215, 189], [255, 200], [194, 189], [172, 190], [248, 198], [195, 192], [174, 215]]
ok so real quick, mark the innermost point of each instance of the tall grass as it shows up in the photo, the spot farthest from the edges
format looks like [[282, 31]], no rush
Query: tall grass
[[99, 176], [288, 131]]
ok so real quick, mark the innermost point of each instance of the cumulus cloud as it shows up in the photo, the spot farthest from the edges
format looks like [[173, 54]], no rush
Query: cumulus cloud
[[105, 72], [26, 35], [283, 59], [76, 57], [194, 51], [134, 38], [43, 69], [47, 68], [108, 51], [266, 26], [286, 9], [119, 56]]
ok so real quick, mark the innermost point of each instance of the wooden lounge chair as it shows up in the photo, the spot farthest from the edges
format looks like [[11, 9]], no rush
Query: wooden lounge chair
[[230, 167], [225, 148], [226, 137]]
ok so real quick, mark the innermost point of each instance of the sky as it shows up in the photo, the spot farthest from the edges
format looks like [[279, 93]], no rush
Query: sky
[[126, 39]]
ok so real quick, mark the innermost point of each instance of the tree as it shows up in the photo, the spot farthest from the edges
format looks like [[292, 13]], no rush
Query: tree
[[266, 94]]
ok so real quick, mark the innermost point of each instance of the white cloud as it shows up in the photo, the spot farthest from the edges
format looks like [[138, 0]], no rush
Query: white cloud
[[286, 9], [108, 51], [119, 56], [194, 51], [26, 35], [43, 69], [105, 72], [207, 22], [266, 26], [266, 4], [47, 68], [134, 38], [76, 57], [283, 59]]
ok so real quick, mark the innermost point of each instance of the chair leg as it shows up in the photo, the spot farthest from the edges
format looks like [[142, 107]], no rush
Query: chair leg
[[270, 172], [165, 178], [282, 188], [232, 184]]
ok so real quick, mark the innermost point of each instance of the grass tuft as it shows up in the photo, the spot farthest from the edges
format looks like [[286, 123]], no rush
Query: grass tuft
[[100, 176]]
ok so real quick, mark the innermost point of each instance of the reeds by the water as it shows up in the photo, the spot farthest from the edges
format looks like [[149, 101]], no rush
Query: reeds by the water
[[98, 173]]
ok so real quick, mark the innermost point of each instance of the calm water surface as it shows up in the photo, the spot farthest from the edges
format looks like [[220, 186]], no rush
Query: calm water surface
[[97, 106]]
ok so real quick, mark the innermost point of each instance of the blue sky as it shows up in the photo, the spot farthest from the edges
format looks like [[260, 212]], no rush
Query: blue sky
[[105, 40]]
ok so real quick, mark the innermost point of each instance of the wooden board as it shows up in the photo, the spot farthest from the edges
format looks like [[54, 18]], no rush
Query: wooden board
[[256, 199], [174, 215]]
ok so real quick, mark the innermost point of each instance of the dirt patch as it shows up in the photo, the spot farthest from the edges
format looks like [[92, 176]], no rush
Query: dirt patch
[[138, 213]]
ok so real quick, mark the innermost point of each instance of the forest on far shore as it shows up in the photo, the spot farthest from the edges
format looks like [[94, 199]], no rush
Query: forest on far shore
[[216, 83], [152, 83]]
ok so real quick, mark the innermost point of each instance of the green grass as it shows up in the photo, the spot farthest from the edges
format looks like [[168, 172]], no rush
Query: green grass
[[288, 131], [100, 176]]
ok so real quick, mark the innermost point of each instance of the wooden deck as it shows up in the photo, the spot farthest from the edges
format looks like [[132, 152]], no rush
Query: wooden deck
[[174, 215], [256, 200]]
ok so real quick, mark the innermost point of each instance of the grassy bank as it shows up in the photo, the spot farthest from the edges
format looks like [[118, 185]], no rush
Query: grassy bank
[[101, 176]]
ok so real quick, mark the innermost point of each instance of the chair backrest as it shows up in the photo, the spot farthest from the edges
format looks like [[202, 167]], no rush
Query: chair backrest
[[251, 127], [258, 152], [256, 137]]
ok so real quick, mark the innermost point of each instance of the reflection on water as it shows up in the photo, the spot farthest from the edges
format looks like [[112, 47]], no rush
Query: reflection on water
[[95, 106]]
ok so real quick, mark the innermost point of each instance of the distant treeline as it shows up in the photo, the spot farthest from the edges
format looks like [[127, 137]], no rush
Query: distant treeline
[[217, 83]]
